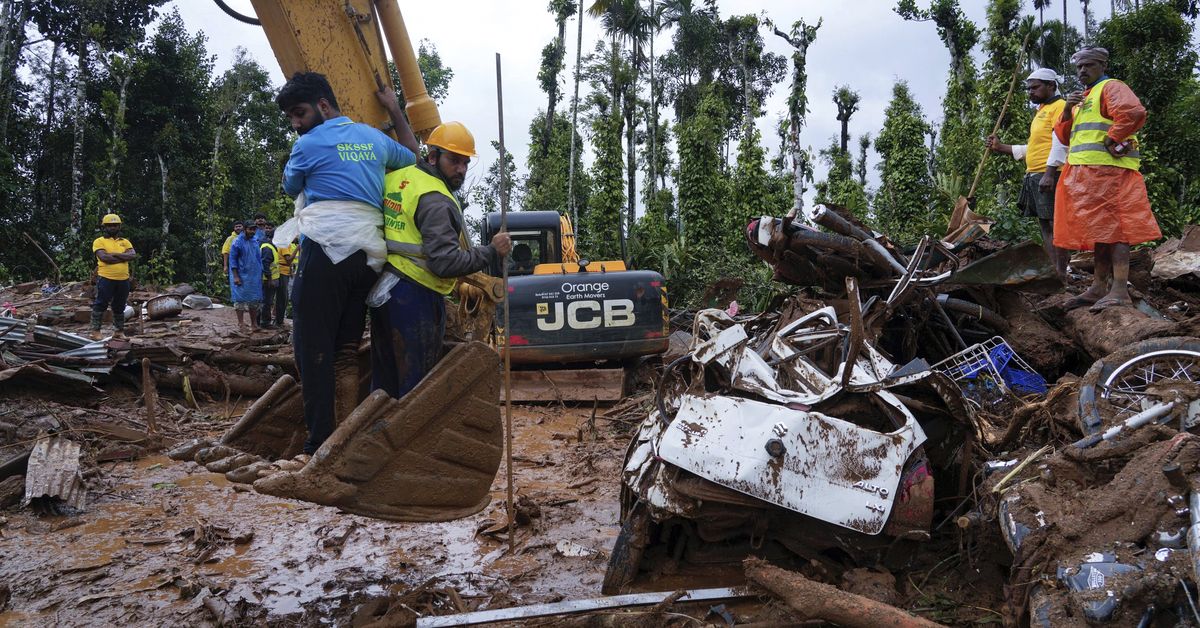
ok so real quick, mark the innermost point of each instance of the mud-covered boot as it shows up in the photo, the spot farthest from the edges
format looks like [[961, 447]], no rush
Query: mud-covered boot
[[119, 324], [97, 318]]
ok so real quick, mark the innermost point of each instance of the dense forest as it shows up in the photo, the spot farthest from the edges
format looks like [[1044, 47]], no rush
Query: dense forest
[[113, 104]]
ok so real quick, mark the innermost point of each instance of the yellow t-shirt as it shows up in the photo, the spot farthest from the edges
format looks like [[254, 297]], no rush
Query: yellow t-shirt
[[228, 243], [285, 268], [118, 271], [1041, 131]]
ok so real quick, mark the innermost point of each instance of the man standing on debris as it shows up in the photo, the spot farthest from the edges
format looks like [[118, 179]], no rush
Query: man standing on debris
[[1101, 198], [245, 276], [339, 166], [113, 254], [427, 252], [270, 275], [237, 231], [286, 255], [1043, 154]]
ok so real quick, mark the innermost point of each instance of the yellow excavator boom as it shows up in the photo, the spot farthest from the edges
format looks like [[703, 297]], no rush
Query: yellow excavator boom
[[344, 40]]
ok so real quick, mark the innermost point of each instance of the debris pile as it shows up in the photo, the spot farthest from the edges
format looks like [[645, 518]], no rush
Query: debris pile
[[915, 434], [905, 389]]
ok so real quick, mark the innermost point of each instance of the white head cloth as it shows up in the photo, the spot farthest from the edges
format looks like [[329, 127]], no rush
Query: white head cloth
[[1043, 74]]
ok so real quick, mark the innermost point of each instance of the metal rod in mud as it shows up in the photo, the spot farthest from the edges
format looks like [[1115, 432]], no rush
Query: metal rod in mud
[[508, 422], [1145, 417]]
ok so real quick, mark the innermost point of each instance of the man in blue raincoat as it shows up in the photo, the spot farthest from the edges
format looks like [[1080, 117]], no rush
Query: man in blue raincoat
[[245, 276]]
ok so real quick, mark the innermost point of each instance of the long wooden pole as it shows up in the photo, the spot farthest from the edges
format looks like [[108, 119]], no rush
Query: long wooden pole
[[508, 422], [1012, 84]]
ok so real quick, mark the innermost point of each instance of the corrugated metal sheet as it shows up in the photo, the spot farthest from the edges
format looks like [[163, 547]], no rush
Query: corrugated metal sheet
[[18, 330], [54, 473]]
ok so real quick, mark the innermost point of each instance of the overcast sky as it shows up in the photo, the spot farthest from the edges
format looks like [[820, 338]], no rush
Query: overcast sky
[[862, 44]]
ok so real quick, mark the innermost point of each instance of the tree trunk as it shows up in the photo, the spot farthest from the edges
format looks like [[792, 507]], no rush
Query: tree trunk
[[1042, 36], [77, 146], [117, 126], [209, 255], [166, 214], [43, 196], [574, 208], [631, 161], [862, 162], [553, 96], [12, 39], [650, 182], [1087, 31]]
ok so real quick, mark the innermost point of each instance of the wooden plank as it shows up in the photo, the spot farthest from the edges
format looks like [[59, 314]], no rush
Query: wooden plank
[[568, 385]]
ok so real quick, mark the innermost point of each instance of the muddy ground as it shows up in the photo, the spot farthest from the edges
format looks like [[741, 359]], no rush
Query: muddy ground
[[163, 542], [158, 537]]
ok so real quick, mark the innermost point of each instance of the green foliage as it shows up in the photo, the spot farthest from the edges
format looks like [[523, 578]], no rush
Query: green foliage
[[1001, 179], [1151, 51], [487, 193], [702, 184], [546, 186], [158, 269], [600, 228], [749, 188], [958, 150], [437, 75], [840, 187], [902, 203]]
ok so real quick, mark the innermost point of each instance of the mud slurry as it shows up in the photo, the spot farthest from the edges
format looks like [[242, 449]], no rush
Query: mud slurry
[[159, 537]]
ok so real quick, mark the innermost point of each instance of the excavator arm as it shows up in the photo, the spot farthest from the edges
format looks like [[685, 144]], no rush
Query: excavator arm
[[344, 40]]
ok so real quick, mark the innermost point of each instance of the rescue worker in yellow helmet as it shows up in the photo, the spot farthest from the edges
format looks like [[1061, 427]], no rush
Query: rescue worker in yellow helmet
[[427, 251], [113, 254]]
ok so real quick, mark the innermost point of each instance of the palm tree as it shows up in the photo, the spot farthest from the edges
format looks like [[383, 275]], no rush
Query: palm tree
[[1041, 5]]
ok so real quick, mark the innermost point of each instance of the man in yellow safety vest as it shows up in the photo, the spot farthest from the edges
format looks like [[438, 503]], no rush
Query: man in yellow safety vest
[[1101, 201], [427, 251]]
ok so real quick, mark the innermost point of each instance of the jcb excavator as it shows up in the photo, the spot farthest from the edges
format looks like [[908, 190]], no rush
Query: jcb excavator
[[433, 454]]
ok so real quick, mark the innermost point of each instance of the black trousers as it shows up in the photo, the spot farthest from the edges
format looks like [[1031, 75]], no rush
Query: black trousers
[[114, 292], [329, 313], [281, 298], [264, 312]]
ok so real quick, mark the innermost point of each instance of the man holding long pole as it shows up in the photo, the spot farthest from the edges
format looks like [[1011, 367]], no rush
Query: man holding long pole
[[428, 252]]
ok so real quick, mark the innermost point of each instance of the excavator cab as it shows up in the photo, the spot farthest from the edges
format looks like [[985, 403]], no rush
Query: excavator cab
[[536, 239]]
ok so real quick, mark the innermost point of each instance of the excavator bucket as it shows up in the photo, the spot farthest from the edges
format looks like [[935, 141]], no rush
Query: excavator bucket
[[273, 426], [429, 456]]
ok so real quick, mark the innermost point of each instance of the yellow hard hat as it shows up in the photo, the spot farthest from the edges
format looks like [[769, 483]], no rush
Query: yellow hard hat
[[454, 137], [111, 219]]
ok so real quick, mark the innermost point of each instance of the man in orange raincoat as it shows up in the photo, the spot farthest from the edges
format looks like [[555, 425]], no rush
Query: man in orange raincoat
[[1101, 202]]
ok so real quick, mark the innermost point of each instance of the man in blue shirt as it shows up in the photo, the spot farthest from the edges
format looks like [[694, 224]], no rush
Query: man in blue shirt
[[245, 276], [339, 165]]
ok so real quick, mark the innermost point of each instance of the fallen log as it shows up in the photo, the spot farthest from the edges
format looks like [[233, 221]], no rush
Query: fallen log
[[814, 600], [237, 384], [258, 359]]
